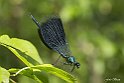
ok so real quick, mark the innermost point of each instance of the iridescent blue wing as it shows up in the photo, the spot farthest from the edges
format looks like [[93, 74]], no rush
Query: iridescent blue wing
[[52, 34]]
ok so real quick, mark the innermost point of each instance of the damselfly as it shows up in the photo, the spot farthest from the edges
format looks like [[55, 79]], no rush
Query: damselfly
[[52, 34]]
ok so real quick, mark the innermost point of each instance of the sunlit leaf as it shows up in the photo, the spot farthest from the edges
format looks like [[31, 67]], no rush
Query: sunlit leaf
[[23, 49], [4, 75], [48, 68]]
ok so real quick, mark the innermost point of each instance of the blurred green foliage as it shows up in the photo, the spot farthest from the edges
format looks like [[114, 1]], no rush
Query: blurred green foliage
[[94, 29]]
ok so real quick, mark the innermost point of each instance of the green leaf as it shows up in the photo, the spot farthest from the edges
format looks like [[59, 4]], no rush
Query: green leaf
[[26, 52], [4, 75], [56, 71], [27, 71], [23, 49], [49, 69]]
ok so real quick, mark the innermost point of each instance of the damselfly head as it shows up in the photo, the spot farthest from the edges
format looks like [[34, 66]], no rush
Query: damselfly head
[[77, 64], [71, 59]]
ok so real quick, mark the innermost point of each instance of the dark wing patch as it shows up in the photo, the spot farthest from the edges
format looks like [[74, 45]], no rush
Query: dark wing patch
[[41, 37], [53, 35]]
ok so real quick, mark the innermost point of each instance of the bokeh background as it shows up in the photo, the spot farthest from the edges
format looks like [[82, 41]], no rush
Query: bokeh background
[[94, 30]]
